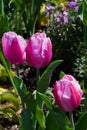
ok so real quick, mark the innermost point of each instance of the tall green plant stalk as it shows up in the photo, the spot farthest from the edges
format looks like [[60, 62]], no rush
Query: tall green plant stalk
[[10, 76], [72, 120], [7, 69], [37, 75], [17, 70]]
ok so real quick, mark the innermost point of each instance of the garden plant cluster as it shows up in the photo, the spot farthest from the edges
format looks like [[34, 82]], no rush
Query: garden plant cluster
[[49, 37]]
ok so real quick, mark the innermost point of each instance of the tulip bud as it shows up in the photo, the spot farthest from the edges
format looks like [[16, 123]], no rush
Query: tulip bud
[[39, 50], [67, 93], [13, 47]]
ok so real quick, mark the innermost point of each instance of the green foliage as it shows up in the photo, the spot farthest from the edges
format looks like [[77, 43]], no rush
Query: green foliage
[[10, 103], [56, 120], [28, 120], [7, 111], [40, 117], [45, 99], [83, 17], [82, 122], [83, 12], [68, 44], [28, 104], [4, 76], [10, 97], [46, 76], [3, 19], [19, 16]]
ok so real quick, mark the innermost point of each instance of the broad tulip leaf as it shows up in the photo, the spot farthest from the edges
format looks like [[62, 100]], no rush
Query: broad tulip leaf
[[85, 12], [21, 88], [46, 100], [40, 117], [83, 16], [55, 121], [27, 98], [49, 93], [28, 120], [46, 76], [82, 122]]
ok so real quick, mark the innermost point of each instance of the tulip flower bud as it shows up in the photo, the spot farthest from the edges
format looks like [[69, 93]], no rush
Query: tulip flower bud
[[13, 47], [67, 93], [39, 50]]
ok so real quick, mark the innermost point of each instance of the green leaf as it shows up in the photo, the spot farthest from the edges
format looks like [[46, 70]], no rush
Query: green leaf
[[49, 93], [7, 67], [40, 128], [82, 122], [10, 97], [2, 7], [40, 117], [27, 98], [46, 76], [28, 120], [82, 13], [61, 74], [55, 121], [85, 35], [9, 112], [31, 103], [22, 90], [46, 100], [20, 86]]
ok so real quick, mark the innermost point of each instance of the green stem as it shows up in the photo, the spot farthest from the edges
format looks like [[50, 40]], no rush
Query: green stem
[[37, 74], [7, 69], [17, 70], [10, 76], [72, 120], [85, 35], [37, 79]]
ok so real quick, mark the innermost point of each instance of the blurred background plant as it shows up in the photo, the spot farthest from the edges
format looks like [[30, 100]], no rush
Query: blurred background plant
[[66, 31]]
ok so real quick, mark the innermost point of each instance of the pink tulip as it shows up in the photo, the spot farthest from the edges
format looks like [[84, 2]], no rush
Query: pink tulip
[[14, 46], [39, 50], [67, 93]]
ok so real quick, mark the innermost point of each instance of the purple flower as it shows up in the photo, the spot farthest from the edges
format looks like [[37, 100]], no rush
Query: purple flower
[[47, 13], [59, 15], [58, 22], [65, 13], [72, 4], [59, 18], [66, 20], [49, 7], [62, 17], [76, 8]]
